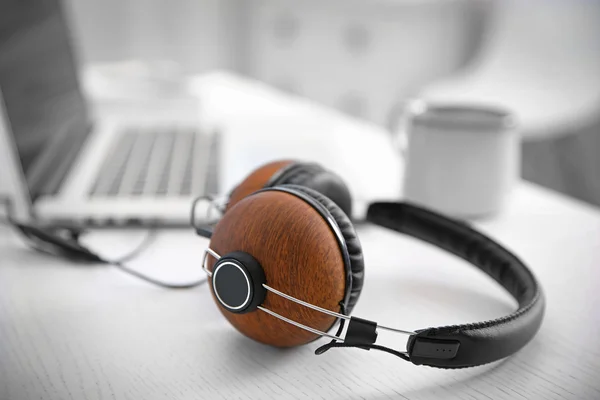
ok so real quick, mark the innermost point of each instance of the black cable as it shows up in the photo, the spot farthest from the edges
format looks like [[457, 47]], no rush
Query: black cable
[[157, 282], [137, 251], [42, 240]]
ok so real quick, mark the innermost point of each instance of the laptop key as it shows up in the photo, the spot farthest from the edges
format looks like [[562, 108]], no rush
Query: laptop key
[[212, 169], [111, 172], [186, 183], [165, 165], [182, 153], [199, 164], [144, 167]]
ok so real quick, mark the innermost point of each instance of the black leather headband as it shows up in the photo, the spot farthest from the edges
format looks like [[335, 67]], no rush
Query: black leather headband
[[473, 344]]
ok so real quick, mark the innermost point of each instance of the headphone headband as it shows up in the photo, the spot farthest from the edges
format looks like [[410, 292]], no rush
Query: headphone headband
[[469, 344]]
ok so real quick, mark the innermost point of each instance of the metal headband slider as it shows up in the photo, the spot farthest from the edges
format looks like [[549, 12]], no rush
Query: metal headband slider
[[214, 254]]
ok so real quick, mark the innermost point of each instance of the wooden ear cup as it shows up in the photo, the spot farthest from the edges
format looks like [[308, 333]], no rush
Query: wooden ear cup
[[299, 255], [310, 175], [256, 181]]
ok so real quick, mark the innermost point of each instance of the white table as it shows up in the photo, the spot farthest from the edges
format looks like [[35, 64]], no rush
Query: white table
[[90, 332]]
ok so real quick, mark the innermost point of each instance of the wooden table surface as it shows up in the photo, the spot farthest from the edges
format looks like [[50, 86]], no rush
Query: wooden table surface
[[69, 331]]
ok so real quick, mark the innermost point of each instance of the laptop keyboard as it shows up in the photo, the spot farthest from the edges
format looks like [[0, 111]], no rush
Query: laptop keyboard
[[158, 162]]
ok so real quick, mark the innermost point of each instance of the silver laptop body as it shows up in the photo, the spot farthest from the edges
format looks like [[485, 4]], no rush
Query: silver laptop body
[[68, 163]]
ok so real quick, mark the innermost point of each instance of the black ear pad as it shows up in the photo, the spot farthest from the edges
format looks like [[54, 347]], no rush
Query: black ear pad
[[357, 263], [315, 177]]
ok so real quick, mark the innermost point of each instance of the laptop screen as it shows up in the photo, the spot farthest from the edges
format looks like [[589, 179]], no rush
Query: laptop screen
[[40, 90]]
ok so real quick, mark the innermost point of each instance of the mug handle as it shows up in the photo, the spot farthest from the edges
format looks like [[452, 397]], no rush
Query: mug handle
[[398, 123]]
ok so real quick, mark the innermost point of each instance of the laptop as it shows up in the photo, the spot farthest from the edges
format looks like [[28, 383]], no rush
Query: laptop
[[66, 162]]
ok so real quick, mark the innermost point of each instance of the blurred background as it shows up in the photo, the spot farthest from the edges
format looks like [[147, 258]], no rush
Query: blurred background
[[336, 77], [541, 58]]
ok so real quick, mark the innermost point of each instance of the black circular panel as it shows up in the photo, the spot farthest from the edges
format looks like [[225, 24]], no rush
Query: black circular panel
[[237, 281], [231, 285]]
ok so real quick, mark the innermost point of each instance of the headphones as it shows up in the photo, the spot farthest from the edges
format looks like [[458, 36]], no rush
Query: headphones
[[285, 264]]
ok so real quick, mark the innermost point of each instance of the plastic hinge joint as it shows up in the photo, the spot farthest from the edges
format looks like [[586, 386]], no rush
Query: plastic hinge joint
[[361, 331]]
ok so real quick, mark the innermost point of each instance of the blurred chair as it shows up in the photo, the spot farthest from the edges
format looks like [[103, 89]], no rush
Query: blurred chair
[[541, 59], [356, 56]]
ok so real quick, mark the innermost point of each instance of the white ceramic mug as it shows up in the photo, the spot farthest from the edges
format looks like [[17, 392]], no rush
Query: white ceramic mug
[[461, 160]]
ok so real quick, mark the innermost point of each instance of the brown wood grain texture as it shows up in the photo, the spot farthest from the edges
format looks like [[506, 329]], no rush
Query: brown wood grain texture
[[300, 257], [256, 180]]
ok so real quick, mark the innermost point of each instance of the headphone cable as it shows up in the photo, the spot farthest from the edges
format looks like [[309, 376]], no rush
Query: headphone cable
[[44, 240]]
